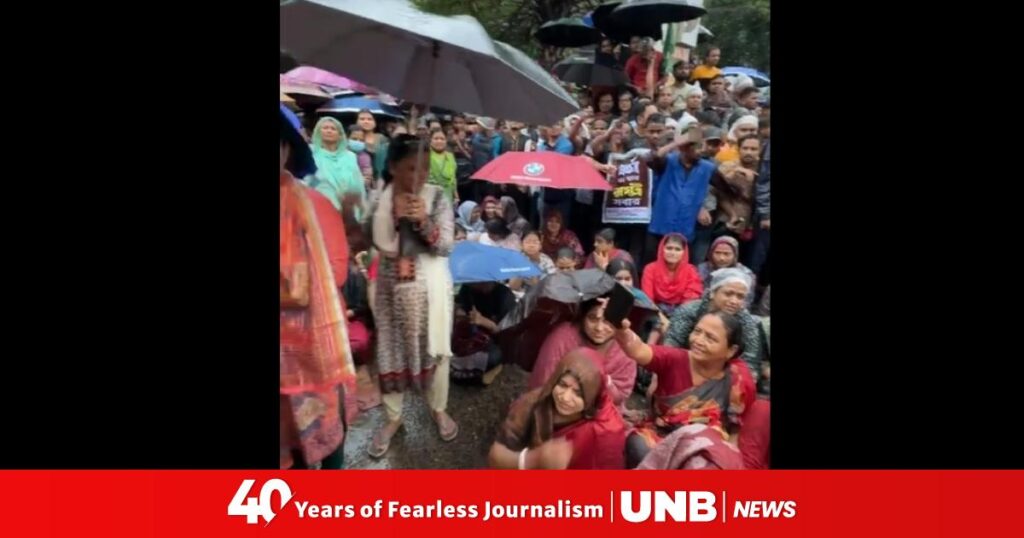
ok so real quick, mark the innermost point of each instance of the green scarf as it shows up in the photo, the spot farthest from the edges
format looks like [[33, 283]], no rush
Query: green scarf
[[337, 171]]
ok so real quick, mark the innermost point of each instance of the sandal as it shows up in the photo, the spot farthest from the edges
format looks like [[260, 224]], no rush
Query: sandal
[[379, 445], [452, 430]]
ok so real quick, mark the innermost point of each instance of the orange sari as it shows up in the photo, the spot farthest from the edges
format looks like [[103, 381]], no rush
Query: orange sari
[[316, 364]]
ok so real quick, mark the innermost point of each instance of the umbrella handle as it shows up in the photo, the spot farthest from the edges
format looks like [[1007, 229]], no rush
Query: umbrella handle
[[430, 94]]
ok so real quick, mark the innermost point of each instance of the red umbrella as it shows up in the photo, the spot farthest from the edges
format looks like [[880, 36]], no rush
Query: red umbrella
[[543, 169]]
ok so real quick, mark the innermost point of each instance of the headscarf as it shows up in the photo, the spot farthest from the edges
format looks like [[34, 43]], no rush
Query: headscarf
[[727, 240], [665, 287], [465, 211], [729, 275], [338, 171], [695, 90], [565, 238], [598, 438], [744, 121], [516, 223]]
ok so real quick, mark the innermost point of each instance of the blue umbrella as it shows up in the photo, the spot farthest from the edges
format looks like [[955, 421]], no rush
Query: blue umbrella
[[760, 78], [353, 104], [473, 262]]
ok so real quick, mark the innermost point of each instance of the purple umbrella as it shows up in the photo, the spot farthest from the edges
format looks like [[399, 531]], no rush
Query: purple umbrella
[[311, 75]]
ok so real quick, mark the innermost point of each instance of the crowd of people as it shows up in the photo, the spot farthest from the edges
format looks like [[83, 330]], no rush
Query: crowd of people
[[371, 212]]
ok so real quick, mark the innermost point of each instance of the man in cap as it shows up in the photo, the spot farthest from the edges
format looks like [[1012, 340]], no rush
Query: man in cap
[[743, 127], [680, 190]]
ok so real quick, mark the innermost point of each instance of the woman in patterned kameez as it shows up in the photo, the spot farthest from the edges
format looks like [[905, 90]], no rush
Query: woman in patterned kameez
[[412, 226]]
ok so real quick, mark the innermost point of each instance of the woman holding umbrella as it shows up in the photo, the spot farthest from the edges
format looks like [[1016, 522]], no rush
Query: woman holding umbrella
[[338, 174], [412, 226]]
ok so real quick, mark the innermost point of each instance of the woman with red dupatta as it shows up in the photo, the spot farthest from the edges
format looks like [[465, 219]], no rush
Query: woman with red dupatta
[[569, 423], [670, 281], [708, 385], [317, 375]]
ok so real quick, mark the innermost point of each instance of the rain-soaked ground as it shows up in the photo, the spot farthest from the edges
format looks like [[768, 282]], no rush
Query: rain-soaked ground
[[478, 410]]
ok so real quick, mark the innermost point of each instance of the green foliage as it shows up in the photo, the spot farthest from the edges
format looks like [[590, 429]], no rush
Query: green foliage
[[742, 30]]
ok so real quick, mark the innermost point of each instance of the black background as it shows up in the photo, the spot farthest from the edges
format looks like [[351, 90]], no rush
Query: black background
[[141, 247]]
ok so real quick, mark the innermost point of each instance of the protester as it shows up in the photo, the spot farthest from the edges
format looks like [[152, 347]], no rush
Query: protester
[[555, 140], [718, 100], [490, 205], [509, 211], [532, 249], [357, 143], [679, 84], [566, 260], [734, 189], [411, 225], [555, 236], [680, 191], [693, 102], [376, 143], [590, 330], [470, 220], [605, 251], [644, 68], [705, 384], [479, 307], [317, 386], [763, 204], [338, 173], [360, 330], [484, 147], [670, 281], [709, 68], [568, 423], [442, 166], [728, 293], [743, 127], [605, 107], [498, 235], [625, 106], [746, 103], [665, 100], [724, 254], [459, 145]]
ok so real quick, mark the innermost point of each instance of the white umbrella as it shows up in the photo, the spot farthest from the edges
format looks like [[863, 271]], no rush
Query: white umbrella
[[450, 62]]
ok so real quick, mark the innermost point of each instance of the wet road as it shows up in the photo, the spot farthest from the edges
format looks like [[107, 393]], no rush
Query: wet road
[[478, 410]]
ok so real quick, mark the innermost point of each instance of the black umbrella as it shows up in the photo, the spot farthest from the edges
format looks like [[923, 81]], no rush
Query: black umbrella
[[619, 31], [567, 32], [639, 12], [563, 66], [555, 299], [594, 75]]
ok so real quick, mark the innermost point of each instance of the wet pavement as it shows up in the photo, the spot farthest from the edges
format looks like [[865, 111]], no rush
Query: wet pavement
[[478, 410]]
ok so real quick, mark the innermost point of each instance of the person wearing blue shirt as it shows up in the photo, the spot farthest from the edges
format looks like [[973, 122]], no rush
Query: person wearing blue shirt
[[680, 186], [555, 140]]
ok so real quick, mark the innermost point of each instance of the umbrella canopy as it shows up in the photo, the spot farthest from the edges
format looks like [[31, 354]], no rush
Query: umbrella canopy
[[642, 12], [619, 31], [543, 169], [760, 79], [287, 101], [567, 32], [307, 74], [556, 298], [293, 88], [421, 57], [474, 262], [594, 75], [352, 105]]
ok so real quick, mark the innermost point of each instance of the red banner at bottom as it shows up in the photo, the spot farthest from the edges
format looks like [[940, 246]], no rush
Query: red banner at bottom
[[510, 503]]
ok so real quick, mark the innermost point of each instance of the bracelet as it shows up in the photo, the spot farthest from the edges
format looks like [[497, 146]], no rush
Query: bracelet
[[522, 459]]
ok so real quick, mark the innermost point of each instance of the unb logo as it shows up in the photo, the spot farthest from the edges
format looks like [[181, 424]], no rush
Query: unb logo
[[533, 169]]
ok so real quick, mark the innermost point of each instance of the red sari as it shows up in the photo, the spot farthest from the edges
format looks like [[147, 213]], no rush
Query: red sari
[[316, 364], [598, 438]]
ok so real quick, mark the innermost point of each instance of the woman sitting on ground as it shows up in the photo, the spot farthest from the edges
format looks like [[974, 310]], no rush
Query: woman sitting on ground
[[728, 293], [469, 219], [605, 251], [479, 307], [531, 249], [706, 385], [555, 236], [568, 423], [724, 254], [591, 331], [566, 260], [509, 211], [671, 281]]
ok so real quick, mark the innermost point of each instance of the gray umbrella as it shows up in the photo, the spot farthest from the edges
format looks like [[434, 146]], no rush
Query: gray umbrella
[[416, 56]]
